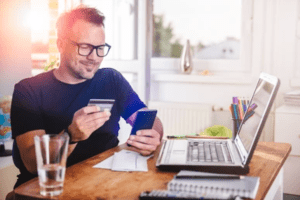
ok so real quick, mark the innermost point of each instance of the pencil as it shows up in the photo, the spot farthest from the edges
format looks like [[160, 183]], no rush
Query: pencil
[[176, 137], [206, 137]]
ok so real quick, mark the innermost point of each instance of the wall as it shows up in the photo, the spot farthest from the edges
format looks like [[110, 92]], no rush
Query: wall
[[15, 44], [15, 64], [273, 51]]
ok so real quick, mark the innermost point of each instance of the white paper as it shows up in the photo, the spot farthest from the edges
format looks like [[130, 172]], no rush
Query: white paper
[[105, 164], [125, 160]]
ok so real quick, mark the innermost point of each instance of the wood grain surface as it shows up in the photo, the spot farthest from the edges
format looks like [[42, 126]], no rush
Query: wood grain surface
[[82, 181]]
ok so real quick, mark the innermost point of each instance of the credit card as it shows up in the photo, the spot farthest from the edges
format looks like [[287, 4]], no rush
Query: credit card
[[103, 104]]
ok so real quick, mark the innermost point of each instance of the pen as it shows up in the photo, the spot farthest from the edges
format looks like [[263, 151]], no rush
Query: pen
[[235, 100], [206, 137], [248, 115], [176, 136], [209, 177], [253, 106], [241, 111]]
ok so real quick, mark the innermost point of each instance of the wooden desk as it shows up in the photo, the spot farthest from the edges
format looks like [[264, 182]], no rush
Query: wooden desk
[[84, 182]]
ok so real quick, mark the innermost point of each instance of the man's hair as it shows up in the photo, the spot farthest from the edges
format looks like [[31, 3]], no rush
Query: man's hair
[[66, 20]]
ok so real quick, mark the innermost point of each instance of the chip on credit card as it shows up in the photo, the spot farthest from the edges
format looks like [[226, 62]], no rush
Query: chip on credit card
[[103, 104]]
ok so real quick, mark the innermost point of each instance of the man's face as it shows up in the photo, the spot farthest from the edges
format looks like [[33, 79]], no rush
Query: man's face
[[82, 67]]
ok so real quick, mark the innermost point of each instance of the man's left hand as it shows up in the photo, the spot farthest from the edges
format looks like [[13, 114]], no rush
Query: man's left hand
[[145, 141]]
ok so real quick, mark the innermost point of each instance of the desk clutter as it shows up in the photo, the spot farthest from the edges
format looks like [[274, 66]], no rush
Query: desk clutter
[[212, 132], [292, 98], [125, 160], [202, 185]]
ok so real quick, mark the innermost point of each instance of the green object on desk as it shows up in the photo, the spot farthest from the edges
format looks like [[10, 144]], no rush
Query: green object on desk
[[217, 130], [176, 137]]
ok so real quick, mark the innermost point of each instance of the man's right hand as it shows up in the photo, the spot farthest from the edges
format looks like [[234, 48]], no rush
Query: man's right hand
[[86, 121]]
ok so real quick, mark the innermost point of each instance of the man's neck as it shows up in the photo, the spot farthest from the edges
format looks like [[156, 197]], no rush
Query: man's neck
[[65, 77]]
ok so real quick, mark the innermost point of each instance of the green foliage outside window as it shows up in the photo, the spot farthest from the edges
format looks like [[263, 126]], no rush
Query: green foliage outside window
[[162, 36]]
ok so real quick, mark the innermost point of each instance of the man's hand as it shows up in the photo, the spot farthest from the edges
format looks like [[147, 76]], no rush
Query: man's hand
[[145, 141], [86, 121]]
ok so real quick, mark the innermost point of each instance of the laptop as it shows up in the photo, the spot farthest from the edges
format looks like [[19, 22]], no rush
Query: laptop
[[231, 156]]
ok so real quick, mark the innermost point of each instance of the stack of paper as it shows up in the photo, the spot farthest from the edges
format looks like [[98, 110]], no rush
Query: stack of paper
[[125, 160], [292, 98]]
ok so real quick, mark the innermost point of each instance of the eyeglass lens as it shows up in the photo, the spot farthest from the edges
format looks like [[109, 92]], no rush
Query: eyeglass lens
[[86, 50]]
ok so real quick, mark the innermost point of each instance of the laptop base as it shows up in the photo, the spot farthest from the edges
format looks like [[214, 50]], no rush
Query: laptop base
[[211, 169]]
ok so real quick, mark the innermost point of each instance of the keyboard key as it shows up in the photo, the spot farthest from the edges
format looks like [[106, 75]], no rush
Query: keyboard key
[[213, 152], [226, 151], [195, 154], [207, 152], [220, 152], [201, 153]]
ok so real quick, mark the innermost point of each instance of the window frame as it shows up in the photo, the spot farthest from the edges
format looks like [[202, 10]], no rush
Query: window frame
[[295, 81], [242, 65]]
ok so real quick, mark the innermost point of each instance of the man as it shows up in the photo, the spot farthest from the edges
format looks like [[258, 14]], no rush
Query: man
[[56, 101]]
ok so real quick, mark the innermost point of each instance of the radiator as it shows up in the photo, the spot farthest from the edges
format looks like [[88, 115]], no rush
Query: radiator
[[182, 118]]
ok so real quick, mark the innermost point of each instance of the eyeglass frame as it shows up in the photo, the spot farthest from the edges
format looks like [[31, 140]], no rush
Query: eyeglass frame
[[93, 47]]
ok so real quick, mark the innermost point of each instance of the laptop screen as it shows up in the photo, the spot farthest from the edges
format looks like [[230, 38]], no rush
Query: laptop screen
[[255, 111], [256, 115]]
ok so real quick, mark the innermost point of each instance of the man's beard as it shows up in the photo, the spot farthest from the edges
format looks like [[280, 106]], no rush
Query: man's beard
[[79, 72]]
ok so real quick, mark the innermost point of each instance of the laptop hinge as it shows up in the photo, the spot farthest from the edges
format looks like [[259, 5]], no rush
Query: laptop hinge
[[161, 153], [238, 151]]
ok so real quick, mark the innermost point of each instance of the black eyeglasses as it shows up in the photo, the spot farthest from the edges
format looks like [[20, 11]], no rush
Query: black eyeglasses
[[86, 49]]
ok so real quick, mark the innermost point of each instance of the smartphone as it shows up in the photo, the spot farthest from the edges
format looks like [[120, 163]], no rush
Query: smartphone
[[144, 120]]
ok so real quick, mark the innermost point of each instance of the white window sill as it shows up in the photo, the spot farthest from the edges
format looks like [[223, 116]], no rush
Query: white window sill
[[194, 78], [190, 78]]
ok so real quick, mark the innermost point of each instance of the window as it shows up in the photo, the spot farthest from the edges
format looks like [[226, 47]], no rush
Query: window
[[120, 26], [219, 33], [39, 21], [295, 81]]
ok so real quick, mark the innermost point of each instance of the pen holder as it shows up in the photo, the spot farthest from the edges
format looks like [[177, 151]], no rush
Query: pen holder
[[236, 124]]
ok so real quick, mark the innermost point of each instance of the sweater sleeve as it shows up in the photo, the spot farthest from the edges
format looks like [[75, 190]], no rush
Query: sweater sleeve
[[128, 100]]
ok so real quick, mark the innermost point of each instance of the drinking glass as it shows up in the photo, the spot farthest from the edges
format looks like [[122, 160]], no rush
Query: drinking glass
[[51, 156]]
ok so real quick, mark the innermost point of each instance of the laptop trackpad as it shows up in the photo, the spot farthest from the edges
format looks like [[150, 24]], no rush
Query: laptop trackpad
[[178, 152]]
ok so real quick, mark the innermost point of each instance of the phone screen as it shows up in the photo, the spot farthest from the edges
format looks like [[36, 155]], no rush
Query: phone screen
[[144, 120]]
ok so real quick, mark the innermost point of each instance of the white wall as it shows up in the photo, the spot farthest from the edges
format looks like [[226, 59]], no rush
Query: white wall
[[15, 64], [273, 51], [15, 44]]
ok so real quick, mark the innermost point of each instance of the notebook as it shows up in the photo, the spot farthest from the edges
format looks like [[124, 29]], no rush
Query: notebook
[[203, 185], [226, 155], [245, 187]]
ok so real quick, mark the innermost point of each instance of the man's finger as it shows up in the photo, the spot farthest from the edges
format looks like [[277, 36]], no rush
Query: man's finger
[[89, 109], [96, 116], [148, 133], [97, 123], [141, 146], [142, 139], [145, 153], [141, 151]]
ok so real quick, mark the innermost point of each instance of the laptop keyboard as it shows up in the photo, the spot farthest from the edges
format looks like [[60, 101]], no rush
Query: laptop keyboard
[[208, 151]]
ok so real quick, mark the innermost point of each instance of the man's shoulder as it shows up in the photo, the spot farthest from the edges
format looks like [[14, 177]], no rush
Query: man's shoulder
[[37, 80], [107, 71], [104, 73]]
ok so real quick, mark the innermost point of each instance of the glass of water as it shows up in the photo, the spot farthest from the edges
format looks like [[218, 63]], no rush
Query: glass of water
[[51, 156]]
